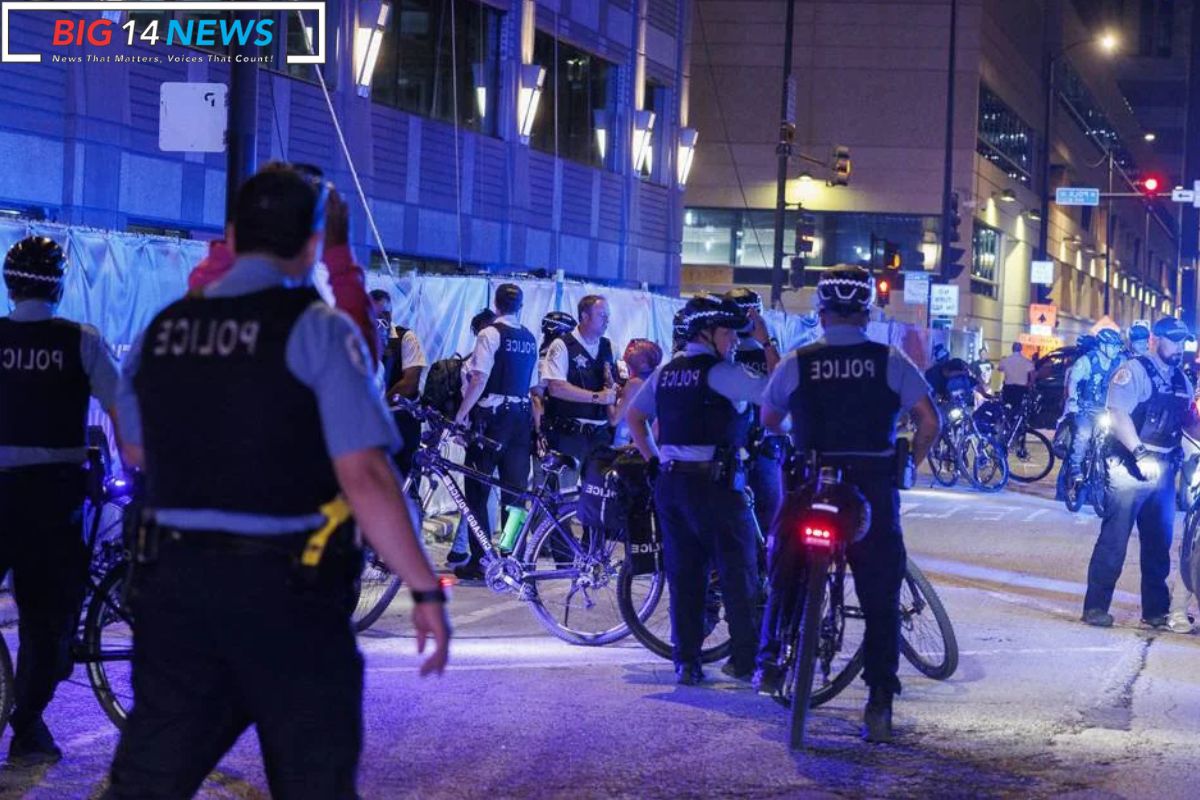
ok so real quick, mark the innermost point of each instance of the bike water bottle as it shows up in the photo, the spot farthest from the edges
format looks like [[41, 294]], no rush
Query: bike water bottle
[[512, 526]]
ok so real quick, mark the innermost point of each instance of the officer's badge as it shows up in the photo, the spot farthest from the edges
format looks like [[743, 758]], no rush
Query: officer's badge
[[354, 349], [1123, 376], [581, 361]]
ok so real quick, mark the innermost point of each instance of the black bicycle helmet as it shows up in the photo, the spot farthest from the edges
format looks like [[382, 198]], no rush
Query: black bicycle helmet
[[846, 289], [678, 331], [706, 312], [1108, 336], [557, 323], [34, 268]]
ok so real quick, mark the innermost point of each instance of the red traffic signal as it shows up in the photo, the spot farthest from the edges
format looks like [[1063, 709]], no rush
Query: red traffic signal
[[1151, 184], [883, 292]]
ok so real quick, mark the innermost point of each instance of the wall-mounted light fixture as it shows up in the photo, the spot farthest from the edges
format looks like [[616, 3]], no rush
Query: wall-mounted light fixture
[[1008, 196], [643, 133], [687, 152], [479, 76], [1033, 215], [368, 40], [600, 125], [529, 94]]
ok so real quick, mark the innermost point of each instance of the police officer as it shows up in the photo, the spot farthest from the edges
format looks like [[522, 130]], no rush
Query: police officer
[[844, 394], [254, 412], [1087, 387], [1139, 340], [1150, 402], [502, 371], [950, 378], [580, 375], [758, 352], [555, 325], [701, 401], [48, 369], [402, 360]]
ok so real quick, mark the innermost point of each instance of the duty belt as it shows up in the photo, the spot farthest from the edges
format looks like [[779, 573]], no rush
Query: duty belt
[[571, 425], [690, 467]]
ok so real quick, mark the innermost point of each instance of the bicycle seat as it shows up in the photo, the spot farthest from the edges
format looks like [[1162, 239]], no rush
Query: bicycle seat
[[556, 463]]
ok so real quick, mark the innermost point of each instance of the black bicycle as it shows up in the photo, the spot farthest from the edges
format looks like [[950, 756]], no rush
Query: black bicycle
[[1091, 483], [963, 449], [104, 639], [565, 572], [1030, 456]]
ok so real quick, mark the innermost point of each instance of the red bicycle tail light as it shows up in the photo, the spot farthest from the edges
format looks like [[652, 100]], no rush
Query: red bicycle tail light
[[818, 536], [818, 528]]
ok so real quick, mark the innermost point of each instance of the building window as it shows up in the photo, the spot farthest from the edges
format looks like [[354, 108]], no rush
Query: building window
[[439, 57], [1004, 138], [985, 261], [578, 101], [1156, 28], [710, 236]]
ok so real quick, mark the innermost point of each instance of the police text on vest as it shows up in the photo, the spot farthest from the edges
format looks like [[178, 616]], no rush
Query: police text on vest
[[31, 359], [841, 368], [205, 337]]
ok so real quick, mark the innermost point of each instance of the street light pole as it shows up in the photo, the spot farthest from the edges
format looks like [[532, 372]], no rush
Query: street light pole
[[948, 165], [784, 151], [1109, 227]]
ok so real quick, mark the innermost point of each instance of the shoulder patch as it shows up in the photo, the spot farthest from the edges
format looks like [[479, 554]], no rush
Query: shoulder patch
[[354, 351], [1123, 376]]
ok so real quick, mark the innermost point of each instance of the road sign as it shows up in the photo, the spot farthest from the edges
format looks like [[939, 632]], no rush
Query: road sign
[[1076, 196], [943, 300], [1042, 272], [916, 289], [1043, 314], [1183, 196]]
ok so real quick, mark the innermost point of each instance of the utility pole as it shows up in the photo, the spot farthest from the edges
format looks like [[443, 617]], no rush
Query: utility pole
[[787, 132], [1189, 229], [1109, 230], [241, 153], [948, 168]]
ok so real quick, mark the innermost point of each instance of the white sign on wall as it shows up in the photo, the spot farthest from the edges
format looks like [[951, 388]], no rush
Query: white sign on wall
[[192, 117], [1042, 272], [916, 289], [943, 300]]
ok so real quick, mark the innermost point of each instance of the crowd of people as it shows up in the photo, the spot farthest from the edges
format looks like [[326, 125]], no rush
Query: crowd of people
[[259, 419]]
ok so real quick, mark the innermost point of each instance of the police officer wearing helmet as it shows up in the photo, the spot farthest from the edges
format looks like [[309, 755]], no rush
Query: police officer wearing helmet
[[844, 394], [701, 400], [501, 373], [255, 414], [555, 325], [757, 352], [1087, 388], [579, 371], [49, 368], [1150, 403], [1139, 340]]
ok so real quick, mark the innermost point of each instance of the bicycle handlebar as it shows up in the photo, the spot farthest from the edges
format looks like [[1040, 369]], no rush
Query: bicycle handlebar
[[440, 423]]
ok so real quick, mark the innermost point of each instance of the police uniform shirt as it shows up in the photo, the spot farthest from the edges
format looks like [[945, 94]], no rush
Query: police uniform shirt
[[555, 365], [483, 358], [903, 377], [731, 381], [99, 364], [326, 353], [1131, 386]]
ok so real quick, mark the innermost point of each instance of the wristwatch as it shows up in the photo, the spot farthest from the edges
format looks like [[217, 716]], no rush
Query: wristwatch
[[595, 397], [437, 595]]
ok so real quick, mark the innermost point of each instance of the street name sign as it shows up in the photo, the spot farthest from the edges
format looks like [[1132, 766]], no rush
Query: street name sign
[[1076, 196]]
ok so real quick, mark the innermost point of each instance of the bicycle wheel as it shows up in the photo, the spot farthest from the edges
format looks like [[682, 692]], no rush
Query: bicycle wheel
[[1030, 457], [1098, 491], [943, 462], [108, 644], [577, 602], [7, 685], [1075, 493], [802, 667], [926, 636], [374, 592], [644, 602], [983, 460]]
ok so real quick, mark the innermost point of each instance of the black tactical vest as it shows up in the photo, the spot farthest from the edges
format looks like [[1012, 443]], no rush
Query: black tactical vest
[[690, 412], [44, 389], [226, 426], [516, 358], [1093, 391], [1160, 419], [843, 403], [586, 373], [753, 359]]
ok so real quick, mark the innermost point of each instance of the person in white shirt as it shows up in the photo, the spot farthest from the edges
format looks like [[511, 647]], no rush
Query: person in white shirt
[[1018, 371], [401, 362]]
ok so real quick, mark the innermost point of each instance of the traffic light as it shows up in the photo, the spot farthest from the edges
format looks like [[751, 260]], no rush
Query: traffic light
[[883, 292], [1150, 185], [806, 234], [955, 217], [796, 274], [840, 166], [952, 265]]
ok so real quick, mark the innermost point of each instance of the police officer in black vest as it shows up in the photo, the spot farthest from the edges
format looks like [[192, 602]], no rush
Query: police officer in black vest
[[49, 367], [580, 375], [844, 394], [260, 426], [402, 360], [1150, 404], [701, 400], [758, 352], [496, 400]]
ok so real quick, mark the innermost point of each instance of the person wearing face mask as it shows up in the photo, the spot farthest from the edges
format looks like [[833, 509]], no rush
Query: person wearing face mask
[[701, 400], [1150, 402], [1086, 387]]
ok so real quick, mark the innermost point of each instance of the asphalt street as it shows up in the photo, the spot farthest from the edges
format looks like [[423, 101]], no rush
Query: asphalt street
[[1041, 705]]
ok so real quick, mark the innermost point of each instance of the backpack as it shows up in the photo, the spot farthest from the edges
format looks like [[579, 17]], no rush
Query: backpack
[[614, 496], [443, 386]]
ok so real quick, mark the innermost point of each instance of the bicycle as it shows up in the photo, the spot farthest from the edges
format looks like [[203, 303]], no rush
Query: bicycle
[[963, 450], [1030, 455], [1092, 481], [813, 634], [565, 572], [104, 631]]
